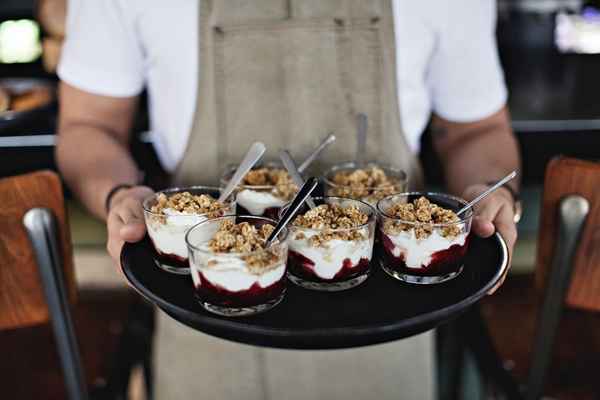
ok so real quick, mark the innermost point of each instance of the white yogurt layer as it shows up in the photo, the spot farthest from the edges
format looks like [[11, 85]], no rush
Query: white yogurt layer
[[417, 252], [256, 202], [232, 273], [330, 260], [169, 237]]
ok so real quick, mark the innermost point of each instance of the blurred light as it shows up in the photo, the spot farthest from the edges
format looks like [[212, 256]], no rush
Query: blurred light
[[576, 33], [19, 41]]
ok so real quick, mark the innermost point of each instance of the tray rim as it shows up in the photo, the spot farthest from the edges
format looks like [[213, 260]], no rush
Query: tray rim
[[238, 325]]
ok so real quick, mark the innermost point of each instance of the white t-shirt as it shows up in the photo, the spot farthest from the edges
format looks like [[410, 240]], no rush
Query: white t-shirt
[[447, 61]]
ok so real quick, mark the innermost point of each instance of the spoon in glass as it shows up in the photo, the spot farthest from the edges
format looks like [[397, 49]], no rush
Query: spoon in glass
[[487, 192], [290, 166], [313, 156], [254, 154], [294, 207]]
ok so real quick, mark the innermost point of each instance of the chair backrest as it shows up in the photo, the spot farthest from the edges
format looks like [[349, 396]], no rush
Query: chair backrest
[[22, 301], [565, 176]]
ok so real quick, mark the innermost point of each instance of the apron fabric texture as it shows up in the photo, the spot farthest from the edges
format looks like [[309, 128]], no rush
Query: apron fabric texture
[[288, 72]]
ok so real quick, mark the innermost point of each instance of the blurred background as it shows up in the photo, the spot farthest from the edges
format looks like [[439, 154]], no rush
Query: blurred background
[[550, 51]]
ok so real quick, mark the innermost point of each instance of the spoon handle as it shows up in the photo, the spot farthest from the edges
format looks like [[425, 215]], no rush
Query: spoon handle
[[361, 139], [487, 192], [254, 154], [290, 166], [290, 212], [324, 143]]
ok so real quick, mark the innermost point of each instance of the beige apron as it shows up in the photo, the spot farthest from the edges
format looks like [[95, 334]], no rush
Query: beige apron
[[287, 73]]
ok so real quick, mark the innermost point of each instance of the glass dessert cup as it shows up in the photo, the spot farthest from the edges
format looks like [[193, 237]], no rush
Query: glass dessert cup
[[262, 200], [337, 182], [167, 231], [229, 284], [329, 259], [423, 252]]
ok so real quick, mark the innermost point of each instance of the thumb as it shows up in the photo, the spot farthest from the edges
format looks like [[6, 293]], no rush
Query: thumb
[[483, 226], [134, 227], [133, 231]]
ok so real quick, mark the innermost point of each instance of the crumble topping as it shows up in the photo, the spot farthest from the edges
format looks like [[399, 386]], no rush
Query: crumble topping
[[187, 203], [370, 183], [246, 238], [328, 218], [423, 213], [283, 186]]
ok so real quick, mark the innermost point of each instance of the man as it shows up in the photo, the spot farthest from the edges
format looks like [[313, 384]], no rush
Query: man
[[222, 74]]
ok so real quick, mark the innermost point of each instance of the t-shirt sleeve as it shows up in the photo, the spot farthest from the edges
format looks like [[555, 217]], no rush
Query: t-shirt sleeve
[[101, 53], [465, 77]]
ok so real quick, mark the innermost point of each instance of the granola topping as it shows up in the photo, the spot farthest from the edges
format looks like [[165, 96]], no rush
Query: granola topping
[[369, 183], [246, 238], [327, 218], [423, 214], [187, 203], [283, 187]]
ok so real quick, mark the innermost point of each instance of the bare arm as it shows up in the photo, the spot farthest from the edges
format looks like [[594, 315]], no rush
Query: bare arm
[[474, 154], [92, 150], [93, 156]]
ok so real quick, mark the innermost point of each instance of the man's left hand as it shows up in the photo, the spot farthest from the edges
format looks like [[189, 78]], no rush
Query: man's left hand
[[494, 213]]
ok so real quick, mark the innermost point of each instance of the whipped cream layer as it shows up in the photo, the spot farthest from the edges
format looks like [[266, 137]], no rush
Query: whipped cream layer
[[231, 273], [169, 236], [256, 202], [329, 260], [418, 252]]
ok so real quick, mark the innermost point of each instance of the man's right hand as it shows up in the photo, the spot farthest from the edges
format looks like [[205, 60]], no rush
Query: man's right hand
[[125, 220]]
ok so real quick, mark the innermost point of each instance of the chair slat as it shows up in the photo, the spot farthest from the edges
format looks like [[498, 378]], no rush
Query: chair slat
[[22, 301], [566, 176]]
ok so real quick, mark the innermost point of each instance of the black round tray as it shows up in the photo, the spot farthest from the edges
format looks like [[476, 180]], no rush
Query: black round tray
[[381, 309]]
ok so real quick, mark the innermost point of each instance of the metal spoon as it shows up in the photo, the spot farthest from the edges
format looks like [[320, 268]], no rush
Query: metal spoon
[[254, 154], [290, 166], [312, 157], [290, 212], [487, 192], [361, 139]]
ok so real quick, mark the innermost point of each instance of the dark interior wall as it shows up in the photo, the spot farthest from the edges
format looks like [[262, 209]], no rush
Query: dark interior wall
[[8, 6]]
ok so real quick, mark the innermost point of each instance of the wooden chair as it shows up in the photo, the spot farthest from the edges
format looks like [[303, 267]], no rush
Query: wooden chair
[[37, 285], [545, 328]]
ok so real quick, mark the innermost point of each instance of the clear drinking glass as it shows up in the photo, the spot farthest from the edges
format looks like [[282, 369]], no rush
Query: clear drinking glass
[[261, 200], [226, 283], [368, 194], [167, 232], [341, 261], [423, 252]]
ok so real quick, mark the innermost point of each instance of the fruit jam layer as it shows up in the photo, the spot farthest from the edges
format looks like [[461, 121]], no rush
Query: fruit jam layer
[[172, 260], [271, 212], [442, 262], [304, 268], [255, 295]]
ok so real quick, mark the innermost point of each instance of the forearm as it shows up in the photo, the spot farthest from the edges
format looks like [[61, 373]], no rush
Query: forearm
[[92, 162], [477, 153]]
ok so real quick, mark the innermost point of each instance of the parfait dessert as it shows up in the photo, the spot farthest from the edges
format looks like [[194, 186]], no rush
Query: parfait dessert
[[170, 213], [263, 191], [369, 184], [423, 239], [331, 246], [235, 273]]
